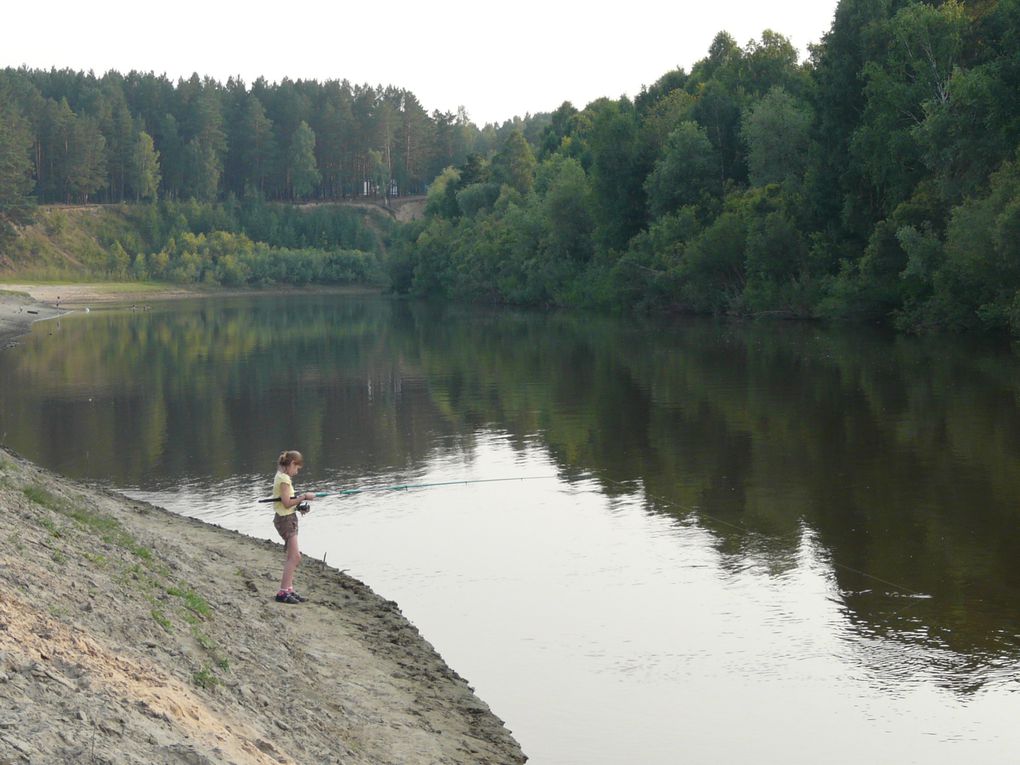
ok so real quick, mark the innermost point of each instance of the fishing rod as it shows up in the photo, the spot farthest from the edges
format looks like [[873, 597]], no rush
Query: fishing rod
[[409, 486]]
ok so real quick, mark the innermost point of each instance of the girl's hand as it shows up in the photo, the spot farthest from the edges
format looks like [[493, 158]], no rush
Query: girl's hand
[[308, 495]]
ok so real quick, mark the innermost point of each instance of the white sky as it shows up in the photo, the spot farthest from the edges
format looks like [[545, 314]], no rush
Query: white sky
[[496, 59]]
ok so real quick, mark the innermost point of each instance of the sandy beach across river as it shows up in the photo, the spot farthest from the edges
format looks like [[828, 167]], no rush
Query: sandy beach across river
[[23, 304]]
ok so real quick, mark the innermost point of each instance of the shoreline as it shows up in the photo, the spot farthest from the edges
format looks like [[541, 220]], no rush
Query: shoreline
[[132, 634], [24, 303], [18, 312]]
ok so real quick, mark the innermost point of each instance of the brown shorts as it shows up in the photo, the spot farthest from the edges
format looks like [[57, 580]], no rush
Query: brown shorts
[[287, 525]]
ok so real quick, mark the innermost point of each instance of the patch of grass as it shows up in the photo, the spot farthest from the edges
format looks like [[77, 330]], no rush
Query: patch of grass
[[161, 619], [118, 538], [55, 223], [110, 531], [59, 557], [100, 523], [203, 640], [205, 678], [192, 601], [211, 647], [50, 526], [98, 559], [133, 286], [156, 567], [43, 497], [138, 577]]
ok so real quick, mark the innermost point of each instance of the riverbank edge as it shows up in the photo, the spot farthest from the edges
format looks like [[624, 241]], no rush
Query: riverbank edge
[[23, 303], [149, 636], [18, 312]]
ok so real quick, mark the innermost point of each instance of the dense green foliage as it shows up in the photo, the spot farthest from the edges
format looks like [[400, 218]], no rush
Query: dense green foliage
[[208, 159], [876, 181], [232, 244], [15, 161], [879, 180], [129, 137]]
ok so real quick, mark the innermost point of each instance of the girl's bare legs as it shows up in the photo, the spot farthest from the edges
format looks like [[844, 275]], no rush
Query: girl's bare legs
[[291, 564]]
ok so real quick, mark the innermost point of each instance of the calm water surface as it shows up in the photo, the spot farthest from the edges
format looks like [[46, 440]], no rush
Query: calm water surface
[[761, 543]]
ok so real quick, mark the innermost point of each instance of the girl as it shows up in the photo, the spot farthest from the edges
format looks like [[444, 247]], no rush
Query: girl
[[286, 520]]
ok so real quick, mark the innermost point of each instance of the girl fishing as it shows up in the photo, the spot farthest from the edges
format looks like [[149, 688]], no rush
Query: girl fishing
[[285, 520]]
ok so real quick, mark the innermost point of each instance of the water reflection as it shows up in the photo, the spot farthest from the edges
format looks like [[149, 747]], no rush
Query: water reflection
[[893, 460]]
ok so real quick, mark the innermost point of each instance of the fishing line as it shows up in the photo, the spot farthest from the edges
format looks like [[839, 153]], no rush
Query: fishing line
[[409, 486], [687, 510]]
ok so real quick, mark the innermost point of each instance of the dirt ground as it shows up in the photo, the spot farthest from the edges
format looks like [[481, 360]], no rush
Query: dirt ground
[[82, 296], [129, 634], [17, 313]]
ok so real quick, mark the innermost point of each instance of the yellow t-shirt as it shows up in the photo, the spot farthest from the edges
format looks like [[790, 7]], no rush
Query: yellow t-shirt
[[278, 482]]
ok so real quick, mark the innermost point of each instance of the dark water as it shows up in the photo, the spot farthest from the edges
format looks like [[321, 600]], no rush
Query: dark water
[[767, 543]]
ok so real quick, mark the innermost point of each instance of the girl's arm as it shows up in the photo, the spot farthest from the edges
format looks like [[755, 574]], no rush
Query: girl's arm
[[288, 498]]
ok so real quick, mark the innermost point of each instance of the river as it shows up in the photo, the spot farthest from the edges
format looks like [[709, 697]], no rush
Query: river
[[718, 543]]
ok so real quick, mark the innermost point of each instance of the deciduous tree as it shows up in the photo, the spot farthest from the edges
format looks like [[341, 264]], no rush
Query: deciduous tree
[[514, 165], [303, 174], [687, 170], [777, 133], [144, 174]]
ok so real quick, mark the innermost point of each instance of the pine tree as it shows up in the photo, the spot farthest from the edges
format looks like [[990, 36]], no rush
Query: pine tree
[[15, 161]]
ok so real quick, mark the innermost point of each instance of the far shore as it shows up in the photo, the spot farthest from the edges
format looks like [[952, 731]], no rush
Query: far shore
[[18, 311], [22, 303]]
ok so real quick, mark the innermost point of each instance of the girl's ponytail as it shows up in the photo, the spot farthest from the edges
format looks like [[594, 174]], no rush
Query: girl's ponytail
[[290, 457]]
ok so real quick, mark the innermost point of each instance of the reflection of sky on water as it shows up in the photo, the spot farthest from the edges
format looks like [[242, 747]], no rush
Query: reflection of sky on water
[[765, 544], [604, 632]]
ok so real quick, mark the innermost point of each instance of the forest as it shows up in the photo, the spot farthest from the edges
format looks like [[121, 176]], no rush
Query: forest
[[73, 137], [877, 179], [202, 181]]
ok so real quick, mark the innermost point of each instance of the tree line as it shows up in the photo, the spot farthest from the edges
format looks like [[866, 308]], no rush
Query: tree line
[[208, 162], [68, 136], [249, 243], [879, 180]]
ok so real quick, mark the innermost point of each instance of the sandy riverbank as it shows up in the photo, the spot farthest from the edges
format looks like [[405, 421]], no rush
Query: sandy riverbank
[[23, 304], [17, 313], [129, 634]]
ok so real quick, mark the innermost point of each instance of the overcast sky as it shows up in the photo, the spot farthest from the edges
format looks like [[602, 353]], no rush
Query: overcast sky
[[495, 59]]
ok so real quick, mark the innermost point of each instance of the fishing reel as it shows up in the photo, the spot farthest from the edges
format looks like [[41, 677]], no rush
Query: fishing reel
[[304, 507]]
